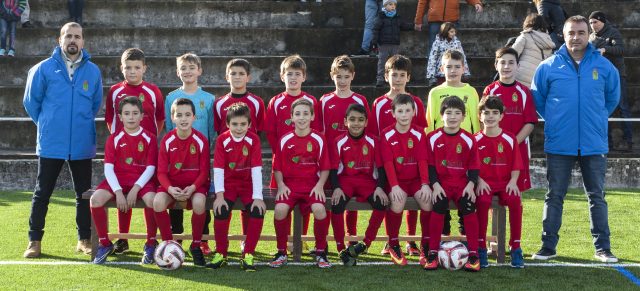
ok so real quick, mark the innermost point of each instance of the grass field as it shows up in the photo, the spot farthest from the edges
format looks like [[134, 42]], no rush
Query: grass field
[[66, 269]]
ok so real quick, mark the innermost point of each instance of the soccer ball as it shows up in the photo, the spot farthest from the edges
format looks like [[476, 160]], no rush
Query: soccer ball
[[452, 255], [169, 255]]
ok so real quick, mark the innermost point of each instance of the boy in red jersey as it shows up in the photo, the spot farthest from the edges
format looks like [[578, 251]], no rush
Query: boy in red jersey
[[277, 122], [356, 171], [238, 159], [133, 67], [130, 157], [519, 109], [333, 107], [453, 162], [404, 155], [183, 173], [397, 72], [301, 170], [238, 75], [500, 169]]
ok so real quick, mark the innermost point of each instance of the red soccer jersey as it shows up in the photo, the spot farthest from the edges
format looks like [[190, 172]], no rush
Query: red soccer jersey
[[220, 106], [518, 105], [453, 156], [300, 159], [405, 151], [356, 158], [499, 156], [152, 104], [130, 154], [333, 110], [237, 157], [382, 112], [183, 161], [277, 120]]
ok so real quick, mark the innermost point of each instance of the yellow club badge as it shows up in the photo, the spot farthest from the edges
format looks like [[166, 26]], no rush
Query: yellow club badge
[[192, 149], [410, 143], [140, 147], [201, 104], [309, 147], [128, 160], [85, 86], [365, 150], [500, 148], [594, 74], [141, 97], [245, 151], [459, 148], [514, 97]]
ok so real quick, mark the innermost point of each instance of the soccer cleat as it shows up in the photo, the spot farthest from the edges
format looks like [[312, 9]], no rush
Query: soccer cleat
[[431, 261], [307, 249], [246, 263], [34, 249], [204, 247], [385, 250], [347, 259], [120, 246], [397, 256], [196, 254], [322, 261], [217, 262], [484, 257], [472, 264], [605, 256], [412, 249], [544, 254], [84, 246], [517, 260], [357, 249], [423, 255], [102, 254], [148, 253], [279, 260]]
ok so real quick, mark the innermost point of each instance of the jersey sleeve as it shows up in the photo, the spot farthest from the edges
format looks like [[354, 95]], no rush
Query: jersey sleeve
[[473, 111], [256, 153], [163, 166], [217, 121], [318, 122], [517, 163], [324, 161], [219, 158], [421, 118], [152, 155], [203, 176], [473, 163], [277, 158], [423, 160], [270, 123], [109, 110], [334, 156], [372, 120], [530, 115], [109, 151], [167, 113], [430, 114], [259, 115], [159, 114]]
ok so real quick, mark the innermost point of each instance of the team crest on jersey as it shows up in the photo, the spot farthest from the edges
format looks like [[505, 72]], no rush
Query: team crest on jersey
[[128, 160], [500, 148], [351, 164], [365, 150], [287, 122], [85, 86], [595, 74], [410, 143], [295, 159], [201, 104], [400, 160], [459, 148], [444, 163], [141, 97], [192, 149], [178, 166], [465, 99], [486, 160], [309, 147], [514, 97], [232, 165], [245, 151], [140, 147], [334, 126]]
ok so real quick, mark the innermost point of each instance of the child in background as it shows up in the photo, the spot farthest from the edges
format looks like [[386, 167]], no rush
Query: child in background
[[386, 34], [10, 12], [445, 40]]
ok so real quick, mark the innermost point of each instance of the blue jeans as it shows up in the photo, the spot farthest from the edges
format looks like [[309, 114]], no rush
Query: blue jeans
[[370, 13], [75, 10], [593, 170], [7, 28]]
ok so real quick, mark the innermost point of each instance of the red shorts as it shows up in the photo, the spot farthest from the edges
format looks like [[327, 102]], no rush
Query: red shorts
[[149, 187], [503, 198], [361, 189], [235, 191], [410, 186], [454, 192], [303, 199], [188, 205]]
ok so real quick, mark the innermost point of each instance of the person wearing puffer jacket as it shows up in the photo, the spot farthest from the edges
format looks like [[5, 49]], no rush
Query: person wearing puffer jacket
[[10, 12], [533, 46]]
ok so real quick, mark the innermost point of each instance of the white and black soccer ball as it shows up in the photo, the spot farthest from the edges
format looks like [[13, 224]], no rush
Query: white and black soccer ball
[[169, 255], [452, 255]]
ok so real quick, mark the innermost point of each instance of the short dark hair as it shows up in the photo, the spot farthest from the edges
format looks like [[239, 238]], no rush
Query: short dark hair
[[189, 58], [398, 62], [444, 30], [453, 55], [182, 101], [132, 100], [239, 63], [453, 102], [357, 108], [302, 101], [342, 62], [535, 21], [402, 99], [491, 102], [577, 19], [238, 109], [507, 51], [132, 54], [294, 62]]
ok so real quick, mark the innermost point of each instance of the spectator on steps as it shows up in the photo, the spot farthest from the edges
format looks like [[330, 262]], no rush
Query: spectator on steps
[[533, 46], [386, 34], [10, 11], [554, 15], [440, 11], [371, 8], [75, 10], [24, 18], [446, 40]]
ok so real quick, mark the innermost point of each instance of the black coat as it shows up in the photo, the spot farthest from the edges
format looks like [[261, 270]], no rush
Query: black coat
[[387, 29], [610, 39]]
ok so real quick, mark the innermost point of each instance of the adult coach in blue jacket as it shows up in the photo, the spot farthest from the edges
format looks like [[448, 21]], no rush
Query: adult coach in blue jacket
[[62, 96], [575, 91]]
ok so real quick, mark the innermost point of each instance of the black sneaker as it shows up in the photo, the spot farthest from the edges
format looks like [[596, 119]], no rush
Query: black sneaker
[[27, 25], [605, 256], [120, 246], [347, 259], [544, 254], [361, 53], [197, 255], [357, 249]]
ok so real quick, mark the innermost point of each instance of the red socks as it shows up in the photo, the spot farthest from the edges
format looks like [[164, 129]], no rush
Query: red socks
[[254, 229], [164, 224], [352, 222], [471, 230], [377, 216], [99, 216], [435, 230], [425, 217], [392, 223], [320, 231], [306, 217], [197, 225], [150, 223], [221, 234], [124, 221], [337, 222], [282, 233], [411, 217]]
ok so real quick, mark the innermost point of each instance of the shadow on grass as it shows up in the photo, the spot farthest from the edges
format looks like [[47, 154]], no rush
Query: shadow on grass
[[60, 258], [578, 194], [63, 198]]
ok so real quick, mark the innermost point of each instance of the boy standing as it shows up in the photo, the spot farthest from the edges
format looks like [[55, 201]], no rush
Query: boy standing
[[453, 162], [133, 66], [499, 171], [129, 165], [238, 159], [386, 34], [183, 173], [519, 109], [189, 69], [398, 73], [301, 171]]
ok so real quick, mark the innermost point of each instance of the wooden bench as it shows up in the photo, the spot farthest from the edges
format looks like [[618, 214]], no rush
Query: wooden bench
[[496, 240]]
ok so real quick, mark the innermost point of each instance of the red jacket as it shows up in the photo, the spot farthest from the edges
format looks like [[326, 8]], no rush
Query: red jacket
[[441, 10]]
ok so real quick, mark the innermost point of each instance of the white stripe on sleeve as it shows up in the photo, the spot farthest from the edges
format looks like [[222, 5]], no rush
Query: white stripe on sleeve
[[110, 174], [218, 179], [256, 180], [146, 176]]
